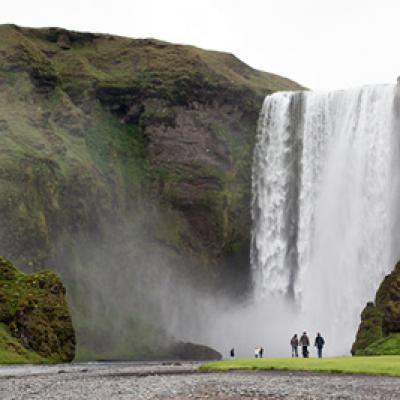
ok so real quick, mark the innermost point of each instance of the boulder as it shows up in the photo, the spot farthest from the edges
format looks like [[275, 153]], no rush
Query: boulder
[[194, 352], [35, 310]]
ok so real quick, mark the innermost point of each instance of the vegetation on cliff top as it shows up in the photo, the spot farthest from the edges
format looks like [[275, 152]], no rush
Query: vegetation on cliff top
[[35, 324], [379, 331]]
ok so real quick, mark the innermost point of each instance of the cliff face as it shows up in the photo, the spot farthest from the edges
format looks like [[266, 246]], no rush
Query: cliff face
[[379, 331], [120, 155], [35, 324]]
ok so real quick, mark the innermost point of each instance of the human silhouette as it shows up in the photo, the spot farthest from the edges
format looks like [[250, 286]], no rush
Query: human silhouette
[[319, 344], [304, 343], [232, 353], [294, 342]]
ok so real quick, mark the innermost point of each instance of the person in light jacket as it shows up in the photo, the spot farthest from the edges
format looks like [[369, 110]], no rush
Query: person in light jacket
[[294, 342]]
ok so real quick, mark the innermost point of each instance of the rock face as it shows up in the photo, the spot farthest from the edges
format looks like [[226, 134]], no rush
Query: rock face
[[120, 157], [379, 331], [192, 351], [34, 309]]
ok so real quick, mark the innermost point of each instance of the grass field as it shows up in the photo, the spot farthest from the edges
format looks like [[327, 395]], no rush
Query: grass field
[[380, 365]]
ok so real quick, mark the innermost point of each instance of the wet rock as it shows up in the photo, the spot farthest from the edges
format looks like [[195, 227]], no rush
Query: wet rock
[[192, 351]]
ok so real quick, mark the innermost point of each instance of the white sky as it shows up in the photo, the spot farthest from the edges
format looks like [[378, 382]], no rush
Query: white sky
[[322, 44]]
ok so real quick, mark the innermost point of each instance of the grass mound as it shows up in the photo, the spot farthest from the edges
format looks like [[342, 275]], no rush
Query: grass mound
[[379, 331], [12, 351], [389, 345], [382, 365], [34, 317]]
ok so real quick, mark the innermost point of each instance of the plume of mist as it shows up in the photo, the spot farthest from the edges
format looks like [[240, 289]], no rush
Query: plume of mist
[[133, 292]]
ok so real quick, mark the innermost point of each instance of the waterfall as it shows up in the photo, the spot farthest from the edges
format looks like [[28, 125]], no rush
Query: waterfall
[[325, 207]]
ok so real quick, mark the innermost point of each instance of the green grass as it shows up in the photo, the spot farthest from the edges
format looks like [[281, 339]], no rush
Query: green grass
[[12, 351], [380, 365], [35, 305], [389, 345]]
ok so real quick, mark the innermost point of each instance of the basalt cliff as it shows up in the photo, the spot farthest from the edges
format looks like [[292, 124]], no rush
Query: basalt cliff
[[125, 164]]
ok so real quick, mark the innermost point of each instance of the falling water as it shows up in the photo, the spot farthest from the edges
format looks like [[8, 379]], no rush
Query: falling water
[[325, 207]]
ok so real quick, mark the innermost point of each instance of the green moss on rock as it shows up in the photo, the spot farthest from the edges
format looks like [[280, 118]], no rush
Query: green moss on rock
[[33, 309], [380, 321], [388, 345], [13, 352]]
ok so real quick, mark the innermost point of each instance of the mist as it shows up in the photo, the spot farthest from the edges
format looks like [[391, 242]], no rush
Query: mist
[[133, 293]]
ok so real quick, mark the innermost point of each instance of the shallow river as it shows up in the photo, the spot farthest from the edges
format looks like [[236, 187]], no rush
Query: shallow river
[[139, 381]]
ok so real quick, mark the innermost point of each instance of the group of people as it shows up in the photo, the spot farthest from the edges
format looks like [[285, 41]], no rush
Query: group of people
[[258, 352], [295, 342], [304, 342]]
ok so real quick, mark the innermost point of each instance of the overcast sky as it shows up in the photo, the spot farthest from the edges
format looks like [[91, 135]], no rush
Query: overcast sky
[[322, 44]]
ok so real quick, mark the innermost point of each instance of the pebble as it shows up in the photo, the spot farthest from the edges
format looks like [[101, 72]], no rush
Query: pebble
[[132, 383]]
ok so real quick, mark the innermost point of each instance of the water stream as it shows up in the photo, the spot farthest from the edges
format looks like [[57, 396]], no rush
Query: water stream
[[325, 208]]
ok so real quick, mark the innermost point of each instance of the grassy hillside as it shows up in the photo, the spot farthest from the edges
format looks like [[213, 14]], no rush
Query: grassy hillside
[[379, 330], [126, 165], [12, 351]]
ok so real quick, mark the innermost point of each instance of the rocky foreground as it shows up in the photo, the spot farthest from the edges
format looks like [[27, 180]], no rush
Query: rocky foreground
[[182, 382]]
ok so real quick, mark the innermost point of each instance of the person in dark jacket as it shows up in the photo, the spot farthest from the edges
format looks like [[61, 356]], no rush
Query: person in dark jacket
[[319, 344], [232, 353], [294, 342], [304, 343]]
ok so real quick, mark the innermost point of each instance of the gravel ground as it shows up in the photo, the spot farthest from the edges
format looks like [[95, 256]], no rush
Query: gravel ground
[[179, 382]]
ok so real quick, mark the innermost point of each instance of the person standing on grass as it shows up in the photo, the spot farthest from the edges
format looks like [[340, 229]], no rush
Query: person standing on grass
[[256, 352], [319, 344], [261, 352], [304, 343], [294, 342], [232, 352]]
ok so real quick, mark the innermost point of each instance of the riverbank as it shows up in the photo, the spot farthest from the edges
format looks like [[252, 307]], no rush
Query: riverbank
[[123, 381], [379, 365]]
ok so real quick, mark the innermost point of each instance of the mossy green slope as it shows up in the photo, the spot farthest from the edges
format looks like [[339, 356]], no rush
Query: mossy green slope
[[35, 324], [13, 352], [91, 116], [112, 143], [379, 331]]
